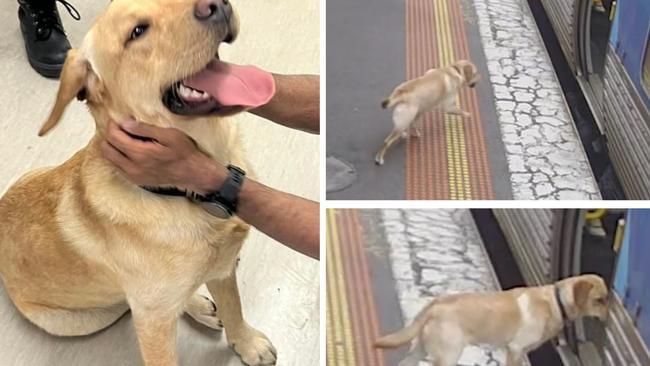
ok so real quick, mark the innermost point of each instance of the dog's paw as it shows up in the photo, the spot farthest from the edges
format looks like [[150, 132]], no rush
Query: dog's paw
[[379, 160], [204, 311], [254, 348]]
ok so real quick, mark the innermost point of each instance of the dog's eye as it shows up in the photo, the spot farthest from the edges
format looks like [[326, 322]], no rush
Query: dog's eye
[[139, 31]]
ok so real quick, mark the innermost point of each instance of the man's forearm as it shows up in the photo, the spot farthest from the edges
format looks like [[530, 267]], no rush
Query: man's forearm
[[296, 103], [289, 219]]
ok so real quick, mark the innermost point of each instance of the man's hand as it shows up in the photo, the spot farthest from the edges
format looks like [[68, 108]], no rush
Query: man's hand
[[155, 156]]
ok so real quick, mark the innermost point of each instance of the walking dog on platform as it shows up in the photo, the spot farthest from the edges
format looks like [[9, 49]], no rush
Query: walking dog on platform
[[520, 320], [437, 88]]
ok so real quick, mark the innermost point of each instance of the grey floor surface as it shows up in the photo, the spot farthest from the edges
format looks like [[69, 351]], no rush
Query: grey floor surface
[[280, 288], [365, 60]]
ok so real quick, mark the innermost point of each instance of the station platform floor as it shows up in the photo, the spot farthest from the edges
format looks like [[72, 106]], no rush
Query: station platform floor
[[279, 288], [520, 143], [385, 265]]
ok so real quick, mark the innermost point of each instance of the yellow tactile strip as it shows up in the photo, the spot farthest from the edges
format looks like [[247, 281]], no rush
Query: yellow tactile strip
[[450, 160], [352, 323]]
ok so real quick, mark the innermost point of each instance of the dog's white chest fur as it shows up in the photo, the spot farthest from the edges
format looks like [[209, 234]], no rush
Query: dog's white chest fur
[[531, 330]]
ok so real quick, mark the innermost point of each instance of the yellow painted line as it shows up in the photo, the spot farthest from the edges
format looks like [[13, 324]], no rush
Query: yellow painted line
[[329, 330], [341, 326], [443, 49], [334, 333], [458, 164]]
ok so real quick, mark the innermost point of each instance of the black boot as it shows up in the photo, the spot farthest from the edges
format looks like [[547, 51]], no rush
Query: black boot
[[45, 39]]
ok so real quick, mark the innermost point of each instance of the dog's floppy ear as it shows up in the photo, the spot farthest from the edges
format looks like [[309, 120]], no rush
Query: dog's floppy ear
[[581, 291], [74, 83]]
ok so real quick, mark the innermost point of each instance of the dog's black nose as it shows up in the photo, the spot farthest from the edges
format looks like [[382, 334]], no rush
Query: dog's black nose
[[217, 11]]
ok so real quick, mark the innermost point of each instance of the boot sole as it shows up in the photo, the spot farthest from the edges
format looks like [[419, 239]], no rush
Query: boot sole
[[47, 70]]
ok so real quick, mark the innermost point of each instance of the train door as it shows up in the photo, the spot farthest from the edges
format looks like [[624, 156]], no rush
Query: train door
[[631, 284], [631, 41], [593, 25], [618, 252]]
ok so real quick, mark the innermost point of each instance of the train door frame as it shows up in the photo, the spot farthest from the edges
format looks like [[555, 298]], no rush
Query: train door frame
[[590, 82], [566, 242]]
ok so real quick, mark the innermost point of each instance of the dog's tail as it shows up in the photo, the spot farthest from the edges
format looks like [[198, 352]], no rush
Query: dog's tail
[[392, 100], [405, 334]]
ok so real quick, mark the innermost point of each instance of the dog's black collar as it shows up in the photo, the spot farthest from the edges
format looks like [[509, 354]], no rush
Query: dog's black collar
[[221, 204], [560, 304], [171, 191]]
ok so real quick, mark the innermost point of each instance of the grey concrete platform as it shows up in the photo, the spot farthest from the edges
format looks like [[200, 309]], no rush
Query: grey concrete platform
[[279, 288]]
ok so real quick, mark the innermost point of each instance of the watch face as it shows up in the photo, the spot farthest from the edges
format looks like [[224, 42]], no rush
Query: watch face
[[216, 209]]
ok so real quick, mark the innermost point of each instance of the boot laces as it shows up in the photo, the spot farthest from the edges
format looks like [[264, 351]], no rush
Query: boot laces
[[46, 20]]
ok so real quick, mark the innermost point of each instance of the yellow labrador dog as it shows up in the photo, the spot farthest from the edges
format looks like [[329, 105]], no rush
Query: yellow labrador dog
[[80, 244], [520, 320], [437, 88]]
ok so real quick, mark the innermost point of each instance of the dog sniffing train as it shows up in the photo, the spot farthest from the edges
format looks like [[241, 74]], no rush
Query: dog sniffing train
[[607, 48], [551, 244]]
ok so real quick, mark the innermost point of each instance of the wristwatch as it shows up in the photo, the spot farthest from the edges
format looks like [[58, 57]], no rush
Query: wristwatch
[[223, 203]]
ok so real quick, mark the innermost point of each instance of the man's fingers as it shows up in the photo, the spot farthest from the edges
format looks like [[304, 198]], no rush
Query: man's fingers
[[129, 145], [161, 135], [115, 156]]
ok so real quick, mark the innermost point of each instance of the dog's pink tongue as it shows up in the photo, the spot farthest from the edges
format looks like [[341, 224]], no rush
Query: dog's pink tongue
[[234, 85]]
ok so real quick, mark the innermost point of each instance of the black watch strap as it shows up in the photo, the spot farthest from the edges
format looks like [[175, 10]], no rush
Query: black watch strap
[[228, 194]]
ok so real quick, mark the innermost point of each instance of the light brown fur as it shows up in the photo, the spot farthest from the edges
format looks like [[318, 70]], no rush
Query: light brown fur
[[81, 245], [437, 88], [520, 320]]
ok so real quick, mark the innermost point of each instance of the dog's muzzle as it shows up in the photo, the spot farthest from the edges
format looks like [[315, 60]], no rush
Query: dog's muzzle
[[218, 12]]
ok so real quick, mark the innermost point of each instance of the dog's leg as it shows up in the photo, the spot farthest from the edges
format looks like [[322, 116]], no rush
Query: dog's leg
[[515, 357], [414, 355], [204, 311], [390, 140], [414, 129], [403, 115], [445, 348], [456, 110], [254, 348], [416, 132], [155, 325]]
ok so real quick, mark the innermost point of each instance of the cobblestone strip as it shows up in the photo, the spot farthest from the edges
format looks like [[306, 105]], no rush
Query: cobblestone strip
[[436, 252], [545, 156]]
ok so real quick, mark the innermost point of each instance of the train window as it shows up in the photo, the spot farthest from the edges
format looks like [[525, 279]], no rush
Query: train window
[[645, 73]]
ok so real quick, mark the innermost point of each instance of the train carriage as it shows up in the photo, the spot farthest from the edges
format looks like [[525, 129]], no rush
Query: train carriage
[[609, 54]]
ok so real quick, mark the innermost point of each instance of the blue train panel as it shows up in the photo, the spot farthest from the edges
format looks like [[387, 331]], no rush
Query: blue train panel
[[632, 281], [629, 36]]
